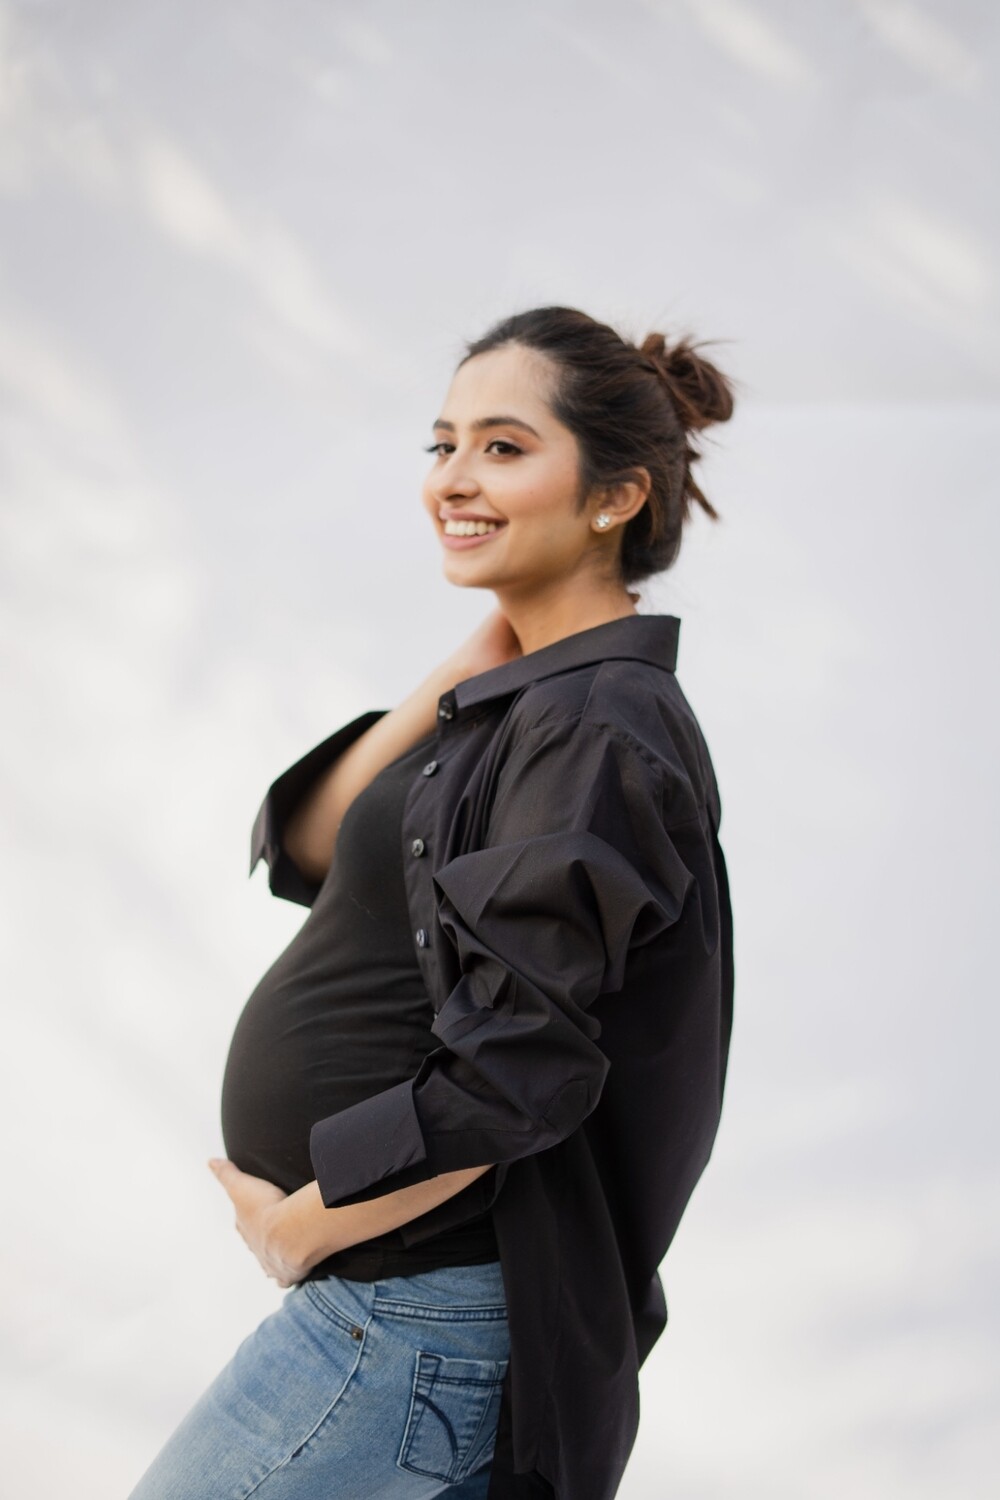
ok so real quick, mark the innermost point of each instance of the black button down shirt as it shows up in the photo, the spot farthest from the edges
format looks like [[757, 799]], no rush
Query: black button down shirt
[[570, 910]]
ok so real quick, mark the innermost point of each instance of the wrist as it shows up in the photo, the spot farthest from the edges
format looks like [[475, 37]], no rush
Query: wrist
[[445, 676], [301, 1229]]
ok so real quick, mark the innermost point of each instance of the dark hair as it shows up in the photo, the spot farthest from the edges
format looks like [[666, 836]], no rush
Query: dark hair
[[627, 405]]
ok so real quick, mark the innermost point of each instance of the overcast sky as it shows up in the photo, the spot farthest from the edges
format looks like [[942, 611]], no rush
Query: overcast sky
[[241, 248]]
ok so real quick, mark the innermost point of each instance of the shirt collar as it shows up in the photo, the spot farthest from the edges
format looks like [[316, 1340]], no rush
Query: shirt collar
[[651, 638]]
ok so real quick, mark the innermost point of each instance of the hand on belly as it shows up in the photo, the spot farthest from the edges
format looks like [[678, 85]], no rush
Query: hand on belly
[[258, 1206]]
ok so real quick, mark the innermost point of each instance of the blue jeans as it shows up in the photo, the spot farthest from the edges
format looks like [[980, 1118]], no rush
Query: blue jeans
[[351, 1390]]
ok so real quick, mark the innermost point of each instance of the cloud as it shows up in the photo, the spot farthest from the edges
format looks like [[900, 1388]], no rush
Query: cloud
[[750, 39], [183, 202], [923, 42]]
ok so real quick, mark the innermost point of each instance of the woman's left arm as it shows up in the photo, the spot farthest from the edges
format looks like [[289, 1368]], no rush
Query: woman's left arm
[[590, 852], [291, 1232]]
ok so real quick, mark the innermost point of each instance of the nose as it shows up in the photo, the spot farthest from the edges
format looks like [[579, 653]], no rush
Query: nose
[[450, 483]]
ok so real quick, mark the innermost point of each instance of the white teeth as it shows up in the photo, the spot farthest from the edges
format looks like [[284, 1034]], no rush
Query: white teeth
[[470, 528]]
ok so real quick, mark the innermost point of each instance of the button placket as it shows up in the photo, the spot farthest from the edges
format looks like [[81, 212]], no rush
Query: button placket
[[416, 881]]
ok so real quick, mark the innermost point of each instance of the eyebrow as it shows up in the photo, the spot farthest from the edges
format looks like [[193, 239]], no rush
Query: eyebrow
[[483, 422]]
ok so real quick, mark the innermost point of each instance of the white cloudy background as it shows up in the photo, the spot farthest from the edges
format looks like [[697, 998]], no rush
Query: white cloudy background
[[241, 246]]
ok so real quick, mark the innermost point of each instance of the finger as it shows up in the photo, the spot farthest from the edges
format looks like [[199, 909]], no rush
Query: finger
[[227, 1172]]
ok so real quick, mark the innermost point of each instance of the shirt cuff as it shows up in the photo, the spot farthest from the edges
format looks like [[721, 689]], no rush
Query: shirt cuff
[[369, 1149]]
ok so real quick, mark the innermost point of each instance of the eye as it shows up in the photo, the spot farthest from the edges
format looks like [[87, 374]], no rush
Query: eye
[[512, 447]]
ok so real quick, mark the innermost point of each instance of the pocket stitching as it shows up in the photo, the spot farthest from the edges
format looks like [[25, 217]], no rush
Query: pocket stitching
[[433, 1368]]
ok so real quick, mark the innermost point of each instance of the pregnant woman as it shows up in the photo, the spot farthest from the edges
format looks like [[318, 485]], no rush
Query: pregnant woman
[[466, 1107]]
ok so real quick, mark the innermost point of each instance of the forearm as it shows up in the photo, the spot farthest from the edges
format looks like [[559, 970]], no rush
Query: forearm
[[311, 832], [306, 1231]]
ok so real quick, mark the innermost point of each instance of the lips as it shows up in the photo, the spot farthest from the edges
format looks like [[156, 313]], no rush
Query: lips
[[472, 538], [457, 527], [467, 515]]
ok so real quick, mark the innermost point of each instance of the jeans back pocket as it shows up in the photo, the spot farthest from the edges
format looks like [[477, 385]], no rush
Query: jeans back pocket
[[451, 1425]]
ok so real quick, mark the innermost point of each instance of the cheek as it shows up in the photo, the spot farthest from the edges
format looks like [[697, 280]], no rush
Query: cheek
[[542, 497], [536, 513], [530, 504], [427, 498]]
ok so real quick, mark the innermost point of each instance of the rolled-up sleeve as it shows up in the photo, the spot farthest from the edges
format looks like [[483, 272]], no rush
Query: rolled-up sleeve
[[283, 796], [577, 871]]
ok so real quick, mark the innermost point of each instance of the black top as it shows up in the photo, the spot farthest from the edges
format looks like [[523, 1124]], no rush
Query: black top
[[342, 1014], [569, 901]]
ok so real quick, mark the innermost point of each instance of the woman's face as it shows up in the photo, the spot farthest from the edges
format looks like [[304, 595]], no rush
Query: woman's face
[[520, 471]]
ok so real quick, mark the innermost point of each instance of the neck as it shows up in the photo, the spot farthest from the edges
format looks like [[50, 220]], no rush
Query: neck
[[545, 616]]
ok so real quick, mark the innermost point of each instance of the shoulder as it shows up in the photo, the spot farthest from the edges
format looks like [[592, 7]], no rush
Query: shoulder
[[633, 701], [634, 705]]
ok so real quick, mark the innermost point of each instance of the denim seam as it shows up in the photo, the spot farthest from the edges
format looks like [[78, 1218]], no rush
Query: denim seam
[[417, 1312], [472, 1452], [406, 1440], [319, 1425]]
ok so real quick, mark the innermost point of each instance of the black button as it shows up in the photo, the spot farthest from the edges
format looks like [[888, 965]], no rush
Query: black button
[[430, 768], [445, 710], [357, 1333], [421, 937], [417, 847]]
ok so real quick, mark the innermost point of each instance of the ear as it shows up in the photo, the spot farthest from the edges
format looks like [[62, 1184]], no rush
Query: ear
[[626, 496]]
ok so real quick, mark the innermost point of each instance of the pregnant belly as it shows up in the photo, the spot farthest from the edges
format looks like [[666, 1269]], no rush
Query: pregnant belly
[[295, 1059]]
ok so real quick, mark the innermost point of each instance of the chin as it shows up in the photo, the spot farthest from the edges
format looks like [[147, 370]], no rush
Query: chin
[[473, 569], [464, 581]]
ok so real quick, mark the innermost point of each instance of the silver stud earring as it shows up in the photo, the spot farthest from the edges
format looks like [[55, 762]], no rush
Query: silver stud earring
[[603, 520]]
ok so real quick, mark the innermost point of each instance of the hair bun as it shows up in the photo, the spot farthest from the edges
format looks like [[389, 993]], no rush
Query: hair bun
[[699, 392]]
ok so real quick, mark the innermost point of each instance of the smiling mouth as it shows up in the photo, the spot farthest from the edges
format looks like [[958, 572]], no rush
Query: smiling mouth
[[471, 528]]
